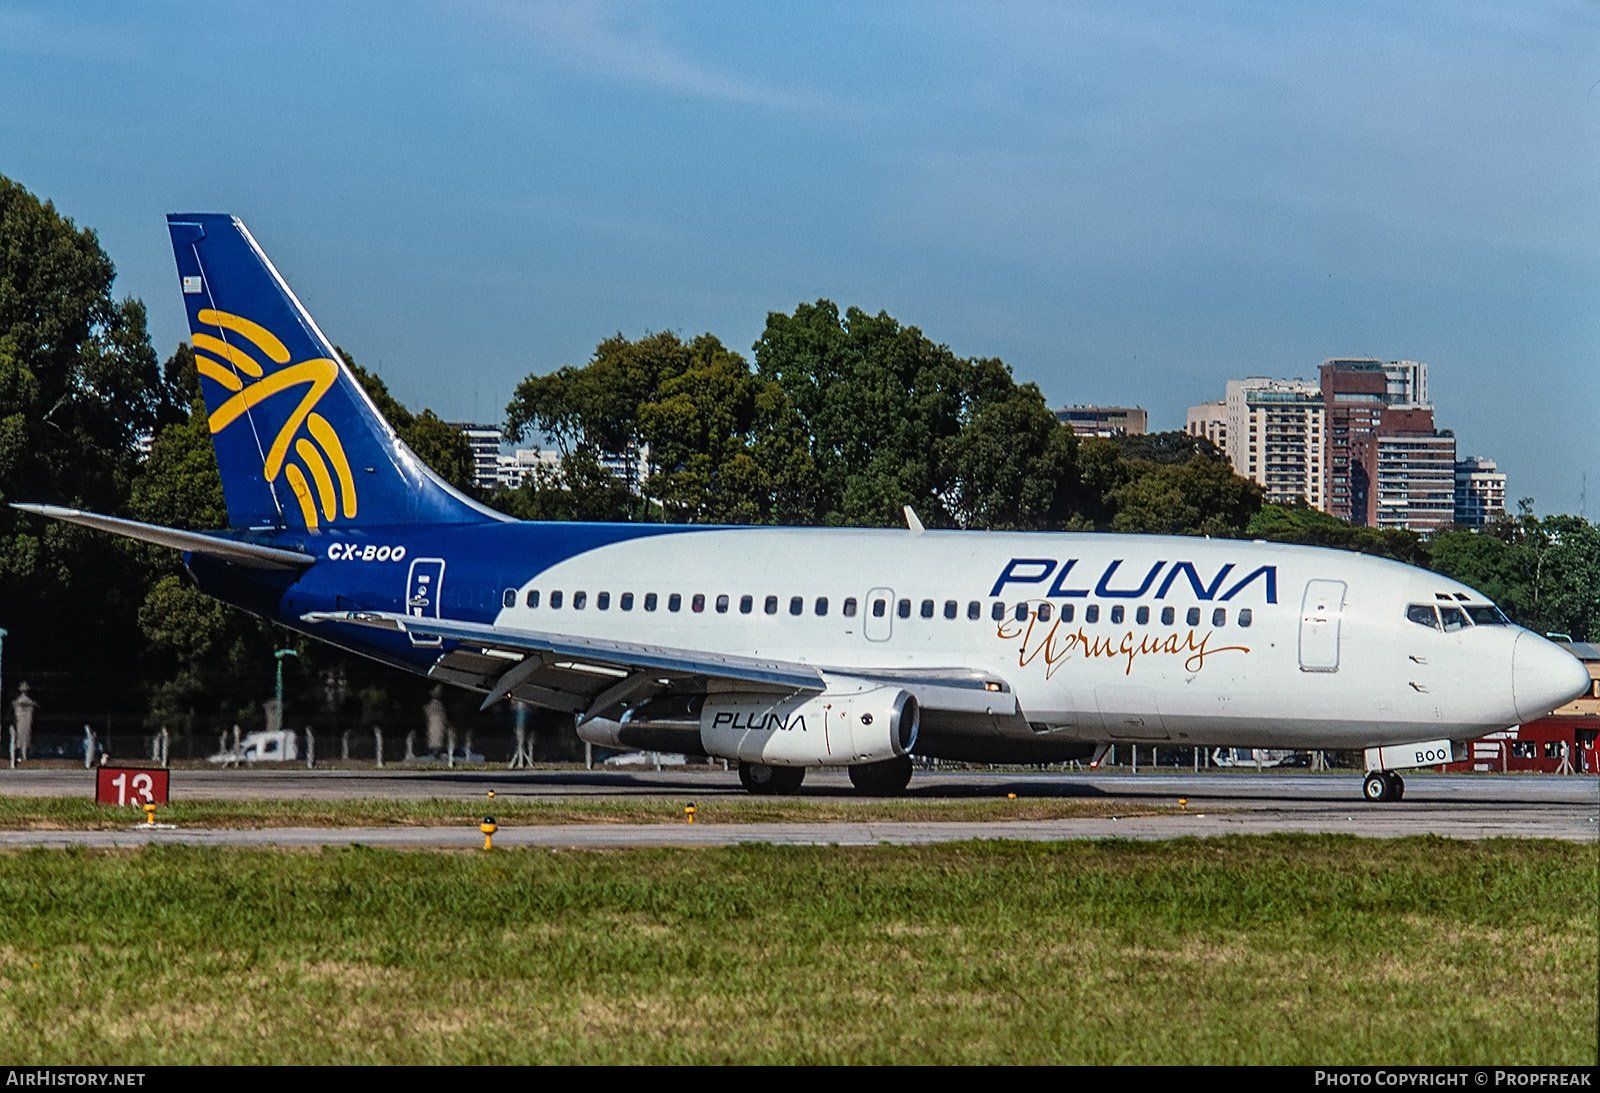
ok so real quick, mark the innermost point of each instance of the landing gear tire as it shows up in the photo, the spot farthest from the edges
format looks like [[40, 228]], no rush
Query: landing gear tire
[[767, 781], [885, 779], [1383, 785]]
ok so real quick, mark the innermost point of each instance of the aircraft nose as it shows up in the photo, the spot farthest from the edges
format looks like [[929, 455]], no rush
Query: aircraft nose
[[1544, 676]]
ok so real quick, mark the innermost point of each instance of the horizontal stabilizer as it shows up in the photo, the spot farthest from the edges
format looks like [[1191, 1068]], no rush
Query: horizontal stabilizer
[[249, 555]]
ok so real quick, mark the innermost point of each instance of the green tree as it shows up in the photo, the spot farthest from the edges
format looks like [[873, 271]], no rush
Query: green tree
[[895, 419], [1200, 497], [1544, 574], [440, 445], [1013, 466], [1302, 524], [719, 443], [79, 384]]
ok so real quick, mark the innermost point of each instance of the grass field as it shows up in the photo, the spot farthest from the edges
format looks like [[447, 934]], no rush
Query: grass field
[[1284, 949], [81, 814]]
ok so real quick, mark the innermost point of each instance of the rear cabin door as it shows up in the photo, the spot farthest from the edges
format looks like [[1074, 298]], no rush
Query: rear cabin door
[[1319, 626], [424, 586]]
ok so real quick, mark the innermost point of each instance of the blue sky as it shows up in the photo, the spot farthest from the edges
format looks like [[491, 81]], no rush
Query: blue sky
[[1128, 203]]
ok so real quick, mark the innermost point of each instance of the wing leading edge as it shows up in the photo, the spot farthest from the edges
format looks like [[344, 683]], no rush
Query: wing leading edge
[[597, 677]]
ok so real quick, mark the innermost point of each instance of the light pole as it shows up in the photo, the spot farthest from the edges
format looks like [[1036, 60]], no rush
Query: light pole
[[3, 634], [278, 656]]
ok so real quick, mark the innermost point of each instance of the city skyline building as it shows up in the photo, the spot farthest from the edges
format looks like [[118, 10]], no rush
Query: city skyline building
[[1480, 492], [1105, 421], [1406, 471], [485, 442], [1274, 437], [1210, 420], [1355, 392]]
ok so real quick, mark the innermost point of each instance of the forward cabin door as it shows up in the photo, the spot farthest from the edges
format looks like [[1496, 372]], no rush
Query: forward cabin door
[[1320, 612]]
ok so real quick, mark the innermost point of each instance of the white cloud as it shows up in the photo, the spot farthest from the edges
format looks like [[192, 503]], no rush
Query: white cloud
[[622, 44]]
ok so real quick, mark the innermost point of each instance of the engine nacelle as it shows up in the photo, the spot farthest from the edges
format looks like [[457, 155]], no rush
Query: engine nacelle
[[853, 721]]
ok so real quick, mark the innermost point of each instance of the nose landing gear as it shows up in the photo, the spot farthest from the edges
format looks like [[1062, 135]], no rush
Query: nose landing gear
[[1383, 785]]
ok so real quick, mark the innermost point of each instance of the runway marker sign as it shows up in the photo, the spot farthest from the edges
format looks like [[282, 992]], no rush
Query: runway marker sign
[[123, 786]]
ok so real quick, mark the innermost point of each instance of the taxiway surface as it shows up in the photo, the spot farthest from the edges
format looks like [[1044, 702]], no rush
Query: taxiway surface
[[1456, 806]]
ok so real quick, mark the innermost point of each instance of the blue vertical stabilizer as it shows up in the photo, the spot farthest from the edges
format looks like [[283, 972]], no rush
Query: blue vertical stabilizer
[[299, 443]]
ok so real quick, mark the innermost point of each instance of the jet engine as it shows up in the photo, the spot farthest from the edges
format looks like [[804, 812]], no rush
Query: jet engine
[[853, 721]]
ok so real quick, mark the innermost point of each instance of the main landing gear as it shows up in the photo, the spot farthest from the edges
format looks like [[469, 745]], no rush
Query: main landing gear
[[1383, 785], [766, 781], [885, 779]]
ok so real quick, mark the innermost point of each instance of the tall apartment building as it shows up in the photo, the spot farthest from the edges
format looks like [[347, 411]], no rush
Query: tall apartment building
[[1405, 471], [1105, 421], [1210, 420], [1480, 492], [1355, 393], [485, 443], [1273, 431]]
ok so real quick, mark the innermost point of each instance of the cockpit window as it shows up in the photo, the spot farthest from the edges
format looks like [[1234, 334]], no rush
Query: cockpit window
[[1487, 615], [1453, 619], [1423, 614]]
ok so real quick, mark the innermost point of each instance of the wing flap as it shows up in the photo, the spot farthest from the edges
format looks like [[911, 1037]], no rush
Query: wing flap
[[598, 677], [598, 656]]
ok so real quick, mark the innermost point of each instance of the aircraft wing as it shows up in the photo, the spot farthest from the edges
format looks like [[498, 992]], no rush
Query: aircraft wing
[[598, 677]]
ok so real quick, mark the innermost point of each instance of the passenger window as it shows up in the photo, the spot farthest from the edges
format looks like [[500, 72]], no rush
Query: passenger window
[[1219, 616], [1142, 616], [674, 602], [850, 607], [1091, 613], [878, 607], [602, 601], [1044, 612], [747, 604], [797, 604], [770, 605], [510, 598], [927, 609], [950, 609], [625, 601], [1193, 617], [974, 609], [1168, 616], [1246, 617], [1066, 612], [903, 609], [1116, 613], [821, 606], [997, 612], [650, 601], [555, 599], [1020, 613], [1423, 615], [1453, 619], [722, 605], [532, 598], [579, 600], [698, 604]]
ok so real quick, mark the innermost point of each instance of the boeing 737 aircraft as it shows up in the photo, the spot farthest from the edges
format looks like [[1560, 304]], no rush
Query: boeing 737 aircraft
[[789, 648]]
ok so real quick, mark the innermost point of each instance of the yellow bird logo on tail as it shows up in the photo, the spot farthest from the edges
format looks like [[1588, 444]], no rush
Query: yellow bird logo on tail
[[310, 459]]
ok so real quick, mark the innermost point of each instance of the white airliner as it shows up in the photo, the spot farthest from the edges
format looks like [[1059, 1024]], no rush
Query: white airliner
[[791, 648]]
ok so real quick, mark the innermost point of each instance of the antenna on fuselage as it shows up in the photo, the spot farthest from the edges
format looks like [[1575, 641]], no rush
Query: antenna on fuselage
[[913, 525]]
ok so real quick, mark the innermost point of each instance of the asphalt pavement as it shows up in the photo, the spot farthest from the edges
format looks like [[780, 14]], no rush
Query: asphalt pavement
[[1237, 802]]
